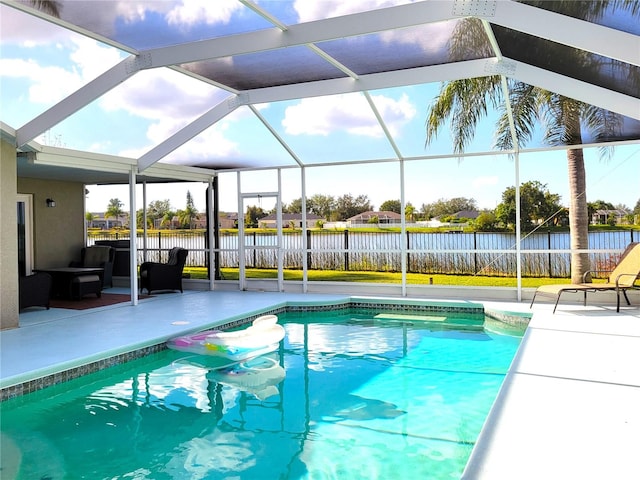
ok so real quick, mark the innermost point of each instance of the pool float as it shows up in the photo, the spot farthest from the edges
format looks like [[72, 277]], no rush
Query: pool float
[[258, 376], [263, 336]]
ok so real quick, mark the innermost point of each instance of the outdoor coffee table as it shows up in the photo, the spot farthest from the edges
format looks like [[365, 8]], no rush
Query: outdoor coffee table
[[62, 278]]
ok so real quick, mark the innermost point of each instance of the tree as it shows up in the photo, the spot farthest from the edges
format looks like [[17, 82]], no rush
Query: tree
[[485, 222], [159, 213], [140, 219], [251, 217], [600, 205], [563, 119], [409, 212], [186, 216], [444, 206], [89, 217], [294, 207], [593, 207], [322, 205], [347, 206], [536, 204], [114, 209], [391, 206]]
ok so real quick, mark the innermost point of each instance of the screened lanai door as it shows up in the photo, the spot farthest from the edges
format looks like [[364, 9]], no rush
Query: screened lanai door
[[262, 246]]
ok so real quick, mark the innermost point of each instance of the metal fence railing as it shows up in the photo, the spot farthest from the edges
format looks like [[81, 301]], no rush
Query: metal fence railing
[[544, 254]]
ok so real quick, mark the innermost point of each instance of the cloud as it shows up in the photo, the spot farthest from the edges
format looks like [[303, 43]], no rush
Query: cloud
[[25, 30], [396, 113], [49, 84], [131, 12], [210, 143], [169, 101], [350, 113], [182, 14], [92, 58], [191, 12], [160, 93], [315, 10], [432, 38]]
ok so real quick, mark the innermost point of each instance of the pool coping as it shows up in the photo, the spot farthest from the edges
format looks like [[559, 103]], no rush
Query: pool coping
[[567, 407], [34, 380]]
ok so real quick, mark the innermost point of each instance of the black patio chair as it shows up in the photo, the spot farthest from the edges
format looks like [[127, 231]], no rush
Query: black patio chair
[[35, 290], [99, 256], [164, 276]]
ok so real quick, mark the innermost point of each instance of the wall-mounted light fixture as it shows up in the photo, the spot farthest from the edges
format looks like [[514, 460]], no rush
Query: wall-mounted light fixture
[[51, 202]]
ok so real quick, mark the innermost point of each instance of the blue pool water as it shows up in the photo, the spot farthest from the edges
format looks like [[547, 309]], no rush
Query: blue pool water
[[347, 396]]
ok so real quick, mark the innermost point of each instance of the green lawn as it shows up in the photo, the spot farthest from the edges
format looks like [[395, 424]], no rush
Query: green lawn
[[382, 277]]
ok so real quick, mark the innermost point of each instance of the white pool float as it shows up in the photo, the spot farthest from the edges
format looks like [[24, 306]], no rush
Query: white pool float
[[263, 336]]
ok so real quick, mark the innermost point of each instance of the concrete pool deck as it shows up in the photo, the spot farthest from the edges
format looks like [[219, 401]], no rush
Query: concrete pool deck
[[569, 406]]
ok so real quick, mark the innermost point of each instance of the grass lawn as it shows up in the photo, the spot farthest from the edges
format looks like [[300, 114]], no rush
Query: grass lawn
[[382, 277]]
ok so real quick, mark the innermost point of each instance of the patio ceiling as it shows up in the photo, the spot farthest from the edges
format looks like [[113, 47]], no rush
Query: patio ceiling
[[266, 53]]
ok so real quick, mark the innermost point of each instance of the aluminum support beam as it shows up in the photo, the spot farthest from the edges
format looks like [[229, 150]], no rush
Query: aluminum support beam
[[569, 31], [77, 100], [187, 133], [362, 23]]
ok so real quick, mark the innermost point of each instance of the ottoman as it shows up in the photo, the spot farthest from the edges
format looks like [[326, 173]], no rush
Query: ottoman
[[84, 284]]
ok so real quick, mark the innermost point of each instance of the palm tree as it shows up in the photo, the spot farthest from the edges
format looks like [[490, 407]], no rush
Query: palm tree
[[187, 215], [114, 209], [466, 101], [89, 217], [409, 212]]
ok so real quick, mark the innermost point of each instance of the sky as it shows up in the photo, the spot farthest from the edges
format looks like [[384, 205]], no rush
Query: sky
[[40, 64]]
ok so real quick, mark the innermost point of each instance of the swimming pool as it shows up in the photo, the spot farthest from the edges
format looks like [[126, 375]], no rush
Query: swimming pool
[[349, 395]]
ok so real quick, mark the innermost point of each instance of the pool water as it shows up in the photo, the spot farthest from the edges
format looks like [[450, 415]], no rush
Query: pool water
[[347, 396]]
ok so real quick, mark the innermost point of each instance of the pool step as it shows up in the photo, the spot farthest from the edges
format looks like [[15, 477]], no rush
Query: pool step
[[451, 320], [410, 317]]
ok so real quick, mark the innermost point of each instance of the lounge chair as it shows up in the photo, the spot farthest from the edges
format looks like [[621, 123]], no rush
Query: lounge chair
[[621, 279]]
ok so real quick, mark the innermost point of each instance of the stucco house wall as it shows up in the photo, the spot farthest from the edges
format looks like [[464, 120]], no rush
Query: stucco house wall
[[58, 233], [8, 238]]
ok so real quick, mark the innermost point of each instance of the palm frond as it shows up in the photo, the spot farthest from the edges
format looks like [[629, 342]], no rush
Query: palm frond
[[604, 125], [469, 40], [524, 101], [50, 7], [464, 102]]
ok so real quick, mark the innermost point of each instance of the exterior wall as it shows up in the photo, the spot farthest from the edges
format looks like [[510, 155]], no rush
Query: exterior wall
[[8, 238], [58, 232], [229, 221]]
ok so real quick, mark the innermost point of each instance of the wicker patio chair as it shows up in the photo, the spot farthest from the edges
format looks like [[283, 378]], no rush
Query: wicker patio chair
[[35, 290], [98, 256], [164, 276]]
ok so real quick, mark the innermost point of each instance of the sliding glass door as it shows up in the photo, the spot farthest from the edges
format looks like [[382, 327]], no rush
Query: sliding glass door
[[25, 233]]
